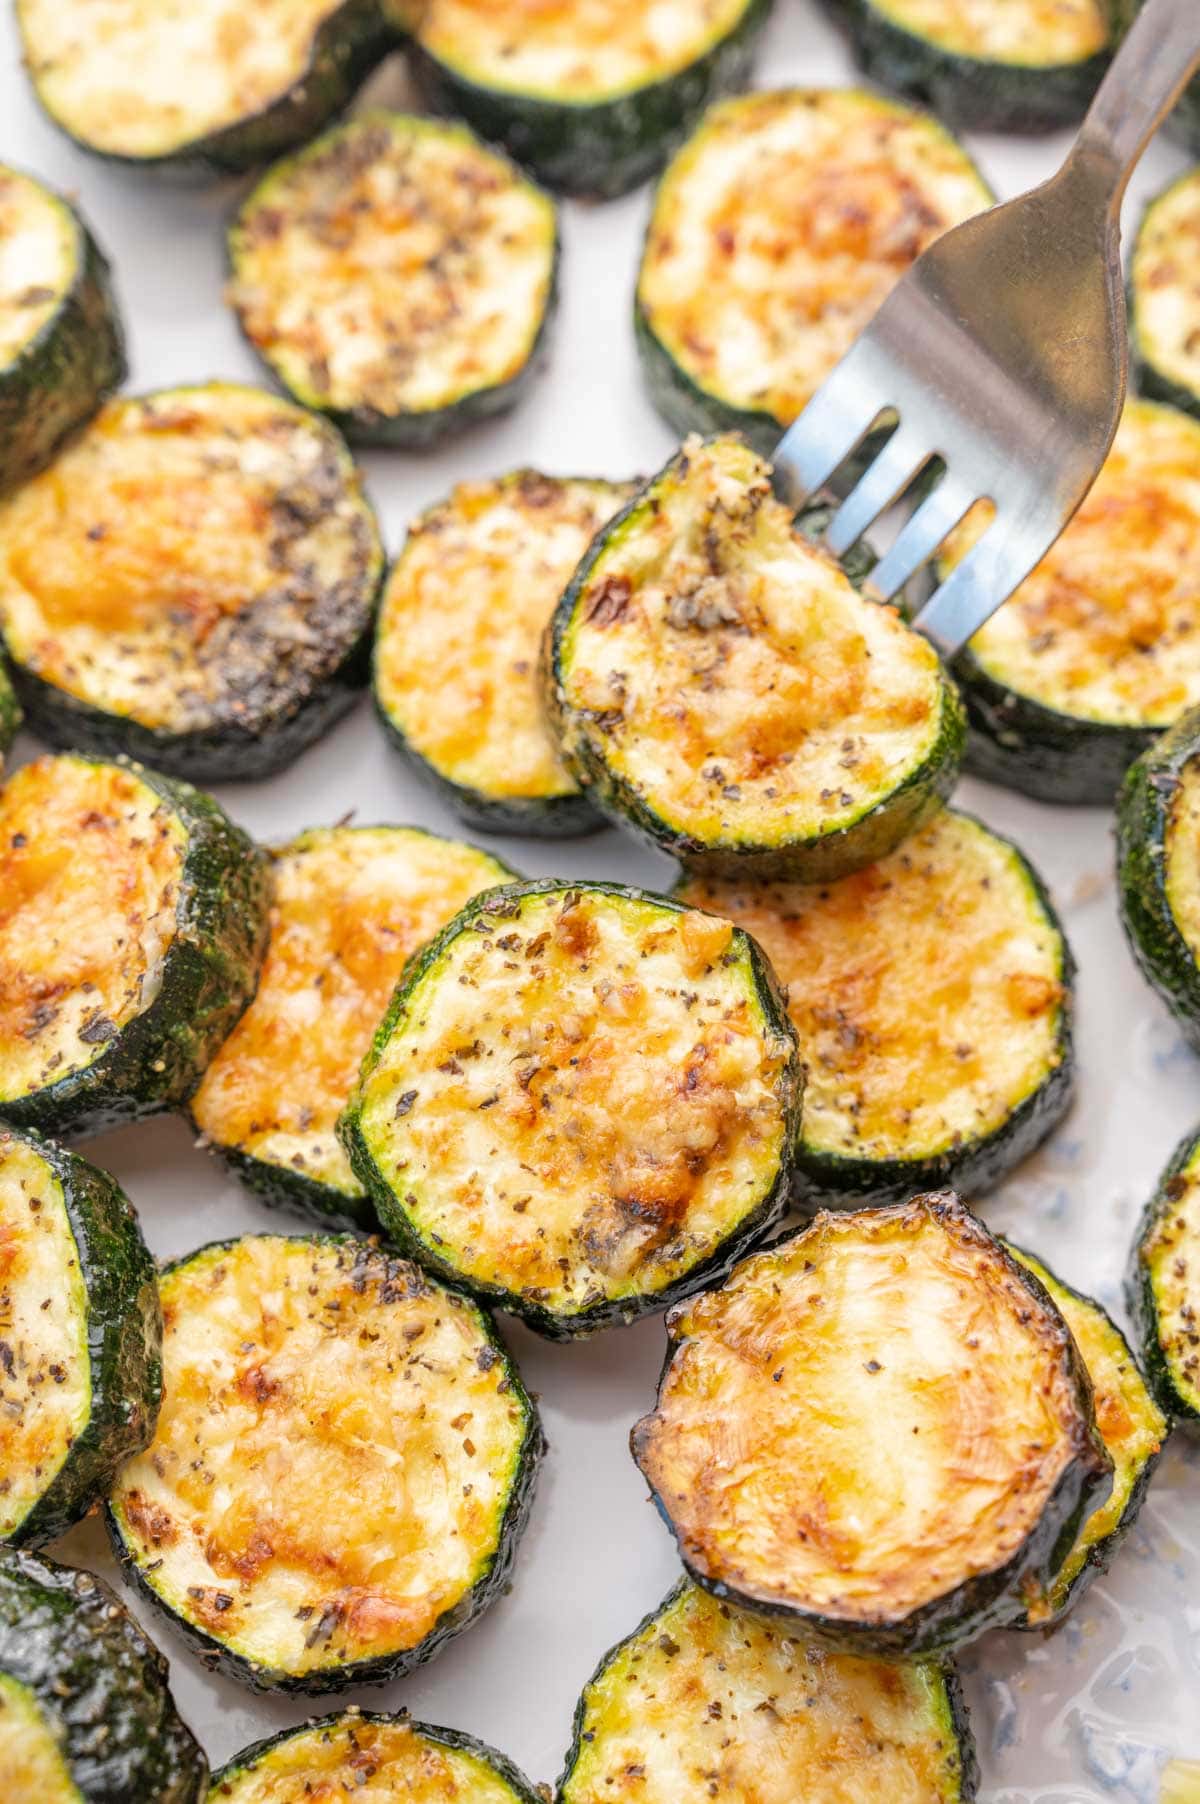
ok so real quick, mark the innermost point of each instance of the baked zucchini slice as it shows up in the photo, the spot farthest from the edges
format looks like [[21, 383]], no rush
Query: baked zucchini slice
[[1099, 649], [342, 1468], [582, 1101], [192, 583], [586, 93], [719, 686], [459, 639], [777, 231], [80, 1337], [350, 905], [86, 1716], [133, 915], [1133, 1429], [1164, 1284], [1020, 66], [704, 1700], [61, 345], [1184, 123], [211, 84], [931, 995], [915, 1440], [384, 1757], [1164, 296], [1158, 868], [397, 275]]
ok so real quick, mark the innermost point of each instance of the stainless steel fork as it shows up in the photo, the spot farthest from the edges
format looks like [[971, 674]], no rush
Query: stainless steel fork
[[1003, 353]]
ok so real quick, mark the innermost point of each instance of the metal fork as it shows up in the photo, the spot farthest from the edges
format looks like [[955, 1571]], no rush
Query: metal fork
[[1003, 353]]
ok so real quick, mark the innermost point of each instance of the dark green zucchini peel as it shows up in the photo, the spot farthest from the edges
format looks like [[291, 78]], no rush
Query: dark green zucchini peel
[[1158, 868], [1164, 286], [1163, 1286]]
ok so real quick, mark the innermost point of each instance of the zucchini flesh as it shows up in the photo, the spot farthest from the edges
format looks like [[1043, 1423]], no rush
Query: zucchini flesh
[[31, 1761], [1164, 280], [706, 1700], [1158, 868], [342, 1463], [350, 905], [582, 1098], [931, 997], [915, 1441], [379, 1757], [777, 231], [458, 643], [208, 598], [397, 275], [719, 686], [1164, 1284], [38, 265]]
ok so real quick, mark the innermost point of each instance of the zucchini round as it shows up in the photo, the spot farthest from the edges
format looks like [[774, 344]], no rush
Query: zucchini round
[[193, 583], [931, 996], [384, 1757], [587, 93], [80, 1337], [61, 345], [703, 1700], [1158, 868], [582, 1102], [1164, 296], [720, 687], [350, 905], [1021, 66], [1184, 123], [1133, 1430], [1164, 1284], [86, 1716], [915, 1440], [133, 914], [342, 1468], [211, 84], [1099, 649], [398, 276], [777, 231], [458, 643]]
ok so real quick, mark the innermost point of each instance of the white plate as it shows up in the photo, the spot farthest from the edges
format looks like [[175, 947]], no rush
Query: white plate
[[1092, 1711]]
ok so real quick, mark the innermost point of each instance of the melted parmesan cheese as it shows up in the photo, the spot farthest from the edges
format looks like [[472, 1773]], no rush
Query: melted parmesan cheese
[[926, 991], [1165, 280], [1107, 628], [143, 78], [214, 560], [461, 625], [39, 260], [780, 228], [336, 1451], [33, 1768], [394, 267], [350, 905], [91, 861], [863, 1420], [706, 1701], [1182, 856], [1169, 1256], [727, 670], [365, 1760], [574, 51], [1031, 34], [581, 1100]]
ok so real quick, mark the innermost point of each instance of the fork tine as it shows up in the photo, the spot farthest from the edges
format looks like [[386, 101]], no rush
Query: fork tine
[[888, 476], [995, 566], [838, 417], [920, 537]]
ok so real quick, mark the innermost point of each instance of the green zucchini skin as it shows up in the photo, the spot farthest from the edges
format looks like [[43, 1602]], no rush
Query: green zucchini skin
[[531, 817], [1140, 1293], [687, 407], [607, 147], [1144, 808], [208, 976], [100, 1684], [124, 1339], [1184, 123], [455, 1741], [1152, 381], [10, 714]]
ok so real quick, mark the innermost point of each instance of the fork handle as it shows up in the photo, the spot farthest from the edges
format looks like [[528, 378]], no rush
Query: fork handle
[[1145, 79]]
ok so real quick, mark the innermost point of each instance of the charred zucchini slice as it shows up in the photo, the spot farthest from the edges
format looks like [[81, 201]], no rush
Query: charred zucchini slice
[[1022, 66], [193, 583], [61, 345], [777, 231], [86, 1716], [342, 1468], [1184, 123], [1158, 868], [587, 93], [133, 915], [704, 1700], [211, 83], [398, 276], [1164, 296], [915, 1440], [720, 687], [80, 1334], [1164, 1284], [350, 905], [1099, 649], [384, 1757], [931, 995], [582, 1101], [459, 640]]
